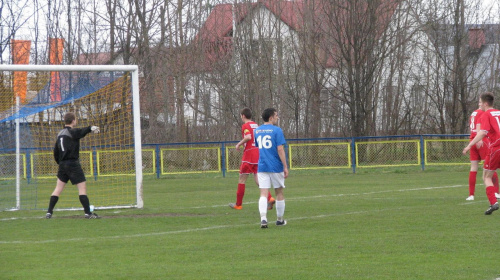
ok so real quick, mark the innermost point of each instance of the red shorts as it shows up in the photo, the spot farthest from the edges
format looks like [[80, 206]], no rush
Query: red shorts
[[248, 168], [478, 154], [492, 160]]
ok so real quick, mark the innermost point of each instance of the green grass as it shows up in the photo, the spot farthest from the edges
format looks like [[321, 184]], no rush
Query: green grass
[[376, 224]]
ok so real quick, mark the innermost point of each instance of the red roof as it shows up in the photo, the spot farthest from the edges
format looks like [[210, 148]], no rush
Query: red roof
[[216, 33], [220, 21], [93, 58]]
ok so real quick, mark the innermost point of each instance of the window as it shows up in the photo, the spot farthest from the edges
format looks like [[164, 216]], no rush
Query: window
[[417, 94], [267, 51]]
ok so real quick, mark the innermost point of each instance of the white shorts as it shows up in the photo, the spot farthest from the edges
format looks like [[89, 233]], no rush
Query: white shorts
[[266, 179]]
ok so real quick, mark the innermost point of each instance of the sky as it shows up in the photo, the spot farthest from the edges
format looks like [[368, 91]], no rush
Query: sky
[[26, 30], [495, 4]]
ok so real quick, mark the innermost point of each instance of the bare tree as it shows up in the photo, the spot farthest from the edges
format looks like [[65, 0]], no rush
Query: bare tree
[[455, 65], [11, 22], [332, 68], [355, 30]]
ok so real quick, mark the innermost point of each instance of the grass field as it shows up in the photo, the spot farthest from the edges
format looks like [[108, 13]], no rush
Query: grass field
[[376, 224]]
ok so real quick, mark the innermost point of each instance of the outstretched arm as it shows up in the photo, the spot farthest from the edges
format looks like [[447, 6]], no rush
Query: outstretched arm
[[78, 133]]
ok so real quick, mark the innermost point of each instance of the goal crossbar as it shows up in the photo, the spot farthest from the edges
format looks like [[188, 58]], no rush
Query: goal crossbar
[[76, 68]]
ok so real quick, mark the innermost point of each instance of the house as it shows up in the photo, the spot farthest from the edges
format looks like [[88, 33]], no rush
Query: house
[[414, 88], [421, 87], [328, 72], [277, 52]]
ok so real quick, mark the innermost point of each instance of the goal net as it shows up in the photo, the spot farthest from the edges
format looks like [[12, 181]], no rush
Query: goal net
[[33, 101]]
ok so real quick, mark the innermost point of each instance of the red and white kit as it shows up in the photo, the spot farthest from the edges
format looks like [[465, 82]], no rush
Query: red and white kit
[[250, 157]]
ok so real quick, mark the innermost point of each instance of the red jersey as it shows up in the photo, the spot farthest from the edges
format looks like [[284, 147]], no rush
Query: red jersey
[[250, 153], [473, 121], [490, 122]]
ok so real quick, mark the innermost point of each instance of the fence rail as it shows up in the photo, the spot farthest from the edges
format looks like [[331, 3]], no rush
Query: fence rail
[[221, 157]]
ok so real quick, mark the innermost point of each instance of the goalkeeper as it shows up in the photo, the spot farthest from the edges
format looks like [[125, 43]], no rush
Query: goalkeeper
[[67, 154]]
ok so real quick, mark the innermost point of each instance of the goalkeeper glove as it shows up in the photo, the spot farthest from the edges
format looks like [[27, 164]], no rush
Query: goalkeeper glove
[[94, 129]]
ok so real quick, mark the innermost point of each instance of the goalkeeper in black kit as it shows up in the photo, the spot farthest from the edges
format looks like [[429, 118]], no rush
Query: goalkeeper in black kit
[[67, 154]]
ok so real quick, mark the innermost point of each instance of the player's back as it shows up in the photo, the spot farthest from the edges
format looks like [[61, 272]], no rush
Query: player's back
[[250, 152], [66, 147], [474, 120], [268, 138], [249, 128], [490, 121]]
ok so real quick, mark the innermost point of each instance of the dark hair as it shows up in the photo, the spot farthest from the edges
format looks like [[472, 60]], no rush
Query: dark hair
[[269, 112], [487, 97], [246, 112], [69, 118]]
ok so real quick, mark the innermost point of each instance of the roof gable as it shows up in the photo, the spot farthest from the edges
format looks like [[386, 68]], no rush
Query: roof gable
[[216, 33], [477, 35], [219, 23]]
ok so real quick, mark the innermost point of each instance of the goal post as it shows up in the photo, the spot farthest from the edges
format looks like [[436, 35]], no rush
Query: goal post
[[103, 95]]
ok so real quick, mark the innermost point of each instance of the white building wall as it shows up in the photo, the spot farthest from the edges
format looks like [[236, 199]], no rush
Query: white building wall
[[263, 25], [421, 66]]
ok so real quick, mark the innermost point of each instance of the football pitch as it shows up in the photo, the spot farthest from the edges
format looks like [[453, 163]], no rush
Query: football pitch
[[376, 224]]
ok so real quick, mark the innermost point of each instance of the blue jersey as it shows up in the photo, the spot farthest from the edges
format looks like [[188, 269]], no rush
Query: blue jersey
[[268, 137]]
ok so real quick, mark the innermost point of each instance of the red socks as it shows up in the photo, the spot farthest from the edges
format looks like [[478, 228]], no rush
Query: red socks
[[239, 194], [472, 182], [490, 190], [490, 193]]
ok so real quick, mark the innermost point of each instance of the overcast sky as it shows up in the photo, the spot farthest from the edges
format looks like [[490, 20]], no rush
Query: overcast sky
[[490, 9], [495, 12]]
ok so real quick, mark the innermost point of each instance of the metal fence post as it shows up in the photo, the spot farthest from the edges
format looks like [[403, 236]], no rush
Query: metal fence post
[[422, 152], [158, 161], [94, 162], [287, 159], [223, 159], [28, 166], [353, 154]]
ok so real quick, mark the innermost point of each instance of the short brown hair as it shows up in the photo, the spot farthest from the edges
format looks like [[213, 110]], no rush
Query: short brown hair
[[488, 97], [246, 112], [69, 117]]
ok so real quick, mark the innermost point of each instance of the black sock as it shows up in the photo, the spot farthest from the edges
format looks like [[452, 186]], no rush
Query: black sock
[[52, 203], [84, 200]]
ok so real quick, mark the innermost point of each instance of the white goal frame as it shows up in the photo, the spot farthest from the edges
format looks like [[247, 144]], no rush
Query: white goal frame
[[134, 70]]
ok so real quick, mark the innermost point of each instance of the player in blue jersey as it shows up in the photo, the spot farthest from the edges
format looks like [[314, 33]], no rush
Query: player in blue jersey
[[272, 169]]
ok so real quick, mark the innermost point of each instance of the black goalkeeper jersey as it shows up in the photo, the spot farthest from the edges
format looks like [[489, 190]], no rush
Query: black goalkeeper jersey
[[67, 145]]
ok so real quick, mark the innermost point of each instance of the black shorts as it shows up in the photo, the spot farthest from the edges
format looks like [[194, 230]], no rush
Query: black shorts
[[72, 171]]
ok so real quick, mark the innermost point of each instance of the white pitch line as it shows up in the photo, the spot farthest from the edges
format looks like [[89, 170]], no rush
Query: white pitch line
[[337, 195], [20, 218], [116, 236], [288, 199], [139, 235]]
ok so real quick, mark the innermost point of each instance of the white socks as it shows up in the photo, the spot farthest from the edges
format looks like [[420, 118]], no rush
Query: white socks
[[263, 208], [280, 208]]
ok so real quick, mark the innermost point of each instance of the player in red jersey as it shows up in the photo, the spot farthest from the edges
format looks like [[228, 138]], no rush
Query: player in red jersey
[[478, 152], [250, 159], [489, 126]]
